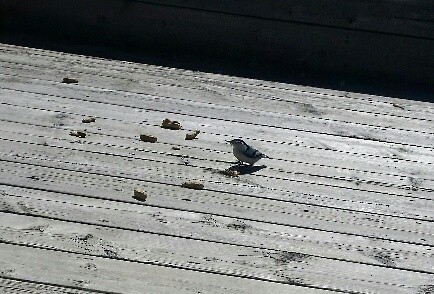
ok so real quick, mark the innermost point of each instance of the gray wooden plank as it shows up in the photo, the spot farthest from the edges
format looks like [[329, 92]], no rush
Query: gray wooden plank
[[381, 225], [361, 150], [200, 157], [278, 172], [138, 78], [234, 83], [18, 286], [392, 132], [255, 263], [107, 274], [242, 206], [176, 173], [55, 126], [311, 103], [400, 155], [151, 219], [244, 85]]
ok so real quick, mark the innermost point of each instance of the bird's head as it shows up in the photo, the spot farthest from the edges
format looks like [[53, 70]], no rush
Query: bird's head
[[237, 143]]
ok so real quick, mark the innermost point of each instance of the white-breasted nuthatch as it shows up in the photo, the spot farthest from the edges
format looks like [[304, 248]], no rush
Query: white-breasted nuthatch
[[245, 153]]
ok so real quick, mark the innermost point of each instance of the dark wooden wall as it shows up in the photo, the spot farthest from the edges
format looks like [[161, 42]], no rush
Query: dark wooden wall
[[382, 39]]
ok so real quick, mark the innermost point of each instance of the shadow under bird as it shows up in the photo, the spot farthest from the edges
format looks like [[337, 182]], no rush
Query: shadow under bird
[[245, 153]]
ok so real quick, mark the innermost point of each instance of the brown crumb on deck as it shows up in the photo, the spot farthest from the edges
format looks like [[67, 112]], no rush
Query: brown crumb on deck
[[140, 195], [171, 125], [87, 120], [69, 80], [79, 134], [192, 135], [148, 138], [192, 185]]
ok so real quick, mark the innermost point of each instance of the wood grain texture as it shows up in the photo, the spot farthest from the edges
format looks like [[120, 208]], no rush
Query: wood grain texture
[[228, 229], [305, 216], [268, 265], [111, 275], [134, 75], [157, 170], [348, 186], [176, 75], [10, 285]]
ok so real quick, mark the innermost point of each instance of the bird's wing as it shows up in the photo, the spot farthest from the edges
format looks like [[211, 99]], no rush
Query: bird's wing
[[252, 153]]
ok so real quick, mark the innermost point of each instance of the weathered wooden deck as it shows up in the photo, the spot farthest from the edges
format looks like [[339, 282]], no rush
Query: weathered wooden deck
[[345, 204]]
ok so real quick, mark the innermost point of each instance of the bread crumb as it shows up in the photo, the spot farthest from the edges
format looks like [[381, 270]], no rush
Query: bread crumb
[[140, 195], [148, 138], [192, 185], [171, 125], [69, 81], [79, 134], [398, 106], [87, 120], [192, 135]]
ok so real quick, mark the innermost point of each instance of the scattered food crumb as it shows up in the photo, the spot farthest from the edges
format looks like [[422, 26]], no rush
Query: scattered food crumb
[[398, 106], [69, 81], [87, 120], [192, 185], [191, 136], [79, 134], [169, 124], [230, 173], [148, 138], [176, 148], [140, 195]]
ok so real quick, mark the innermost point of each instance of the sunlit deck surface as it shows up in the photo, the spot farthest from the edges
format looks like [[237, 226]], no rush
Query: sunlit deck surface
[[344, 204]]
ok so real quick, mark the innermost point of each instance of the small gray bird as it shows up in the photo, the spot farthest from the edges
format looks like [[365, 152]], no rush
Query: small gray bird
[[245, 153]]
